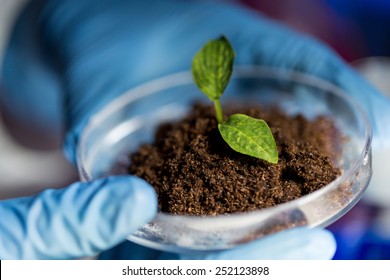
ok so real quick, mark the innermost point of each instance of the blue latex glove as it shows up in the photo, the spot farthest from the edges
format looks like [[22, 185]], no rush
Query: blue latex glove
[[94, 50], [81, 220]]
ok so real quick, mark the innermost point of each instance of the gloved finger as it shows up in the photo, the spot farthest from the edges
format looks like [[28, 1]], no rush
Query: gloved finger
[[81, 220], [298, 244]]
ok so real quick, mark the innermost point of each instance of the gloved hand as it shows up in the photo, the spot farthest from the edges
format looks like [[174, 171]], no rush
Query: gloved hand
[[81, 220], [95, 50], [87, 218]]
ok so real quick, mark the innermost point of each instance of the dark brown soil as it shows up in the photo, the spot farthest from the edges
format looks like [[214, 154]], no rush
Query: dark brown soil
[[194, 172]]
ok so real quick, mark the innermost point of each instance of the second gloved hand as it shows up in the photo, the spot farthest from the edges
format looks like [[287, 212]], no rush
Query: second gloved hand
[[81, 220]]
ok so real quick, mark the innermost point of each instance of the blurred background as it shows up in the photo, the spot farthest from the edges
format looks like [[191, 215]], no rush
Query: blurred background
[[358, 30], [26, 167]]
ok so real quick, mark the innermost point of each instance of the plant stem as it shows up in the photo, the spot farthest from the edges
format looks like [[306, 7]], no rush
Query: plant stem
[[218, 111]]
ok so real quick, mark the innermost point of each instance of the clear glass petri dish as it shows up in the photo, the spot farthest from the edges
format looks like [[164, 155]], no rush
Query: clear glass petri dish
[[131, 119]]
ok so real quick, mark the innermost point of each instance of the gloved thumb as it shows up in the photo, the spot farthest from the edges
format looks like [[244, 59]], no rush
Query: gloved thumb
[[294, 244], [81, 220]]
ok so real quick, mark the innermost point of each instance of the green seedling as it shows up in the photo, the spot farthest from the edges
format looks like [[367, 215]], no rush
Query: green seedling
[[212, 67]]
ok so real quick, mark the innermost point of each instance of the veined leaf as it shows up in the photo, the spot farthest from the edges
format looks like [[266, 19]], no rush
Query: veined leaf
[[212, 67], [249, 136]]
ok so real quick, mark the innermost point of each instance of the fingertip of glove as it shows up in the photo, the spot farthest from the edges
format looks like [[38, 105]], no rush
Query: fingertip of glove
[[137, 195], [113, 208], [323, 243], [299, 244], [305, 243]]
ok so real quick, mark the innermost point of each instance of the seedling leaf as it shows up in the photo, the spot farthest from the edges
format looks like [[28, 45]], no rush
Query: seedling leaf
[[212, 67], [249, 136]]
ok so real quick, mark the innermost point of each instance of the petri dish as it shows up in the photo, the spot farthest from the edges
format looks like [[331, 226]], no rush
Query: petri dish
[[130, 120]]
